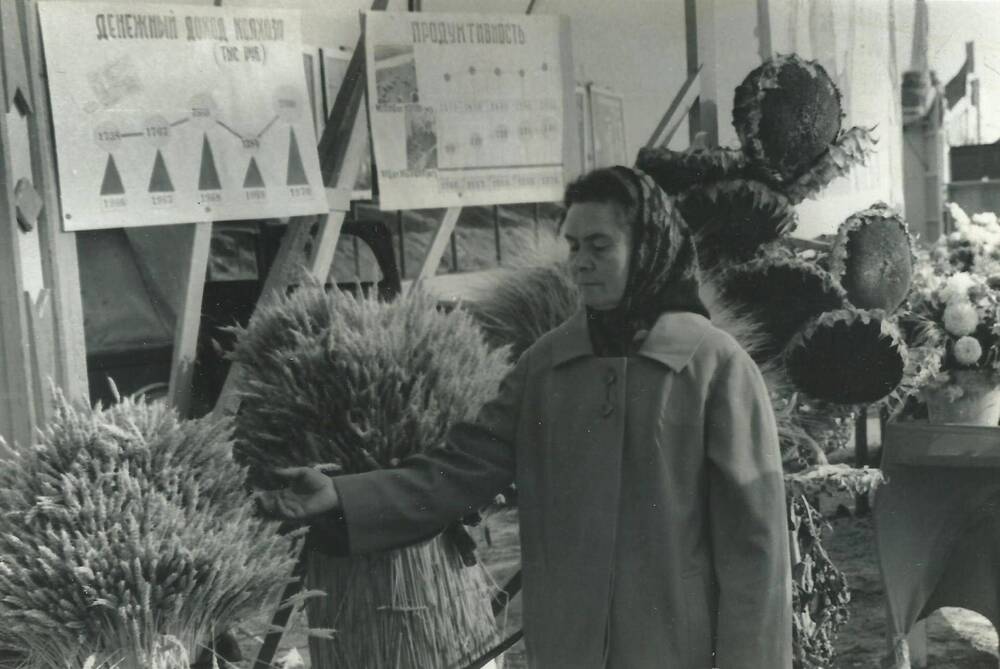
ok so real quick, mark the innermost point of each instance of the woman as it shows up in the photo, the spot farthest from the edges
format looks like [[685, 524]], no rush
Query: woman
[[643, 445]]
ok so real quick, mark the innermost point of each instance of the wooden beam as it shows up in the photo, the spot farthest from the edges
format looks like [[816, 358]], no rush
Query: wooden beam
[[197, 245], [708, 93], [43, 355], [330, 226], [764, 31], [667, 138], [60, 264], [571, 133], [440, 242], [17, 408], [685, 97], [16, 90]]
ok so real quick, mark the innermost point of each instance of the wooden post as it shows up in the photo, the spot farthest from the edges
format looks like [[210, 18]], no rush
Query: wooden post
[[198, 244], [402, 244], [862, 507], [764, 31], [20, 262], [699, 22], [707, 109], [173, 260], [497, 241], [572, 150], [43, 355], [60, 265], [440, 242]]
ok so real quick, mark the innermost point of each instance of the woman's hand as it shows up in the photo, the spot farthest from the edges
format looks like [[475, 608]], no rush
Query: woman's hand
[[309, 492]]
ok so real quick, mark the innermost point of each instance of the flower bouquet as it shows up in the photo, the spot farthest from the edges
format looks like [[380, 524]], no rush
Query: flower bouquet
[[954, 330], [973, 246]]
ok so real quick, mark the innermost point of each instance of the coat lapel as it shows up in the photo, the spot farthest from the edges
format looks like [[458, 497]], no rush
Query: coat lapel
[[675, 338]]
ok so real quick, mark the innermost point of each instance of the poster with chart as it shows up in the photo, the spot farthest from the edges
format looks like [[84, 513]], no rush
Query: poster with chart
[[465, 109], [173, 113]]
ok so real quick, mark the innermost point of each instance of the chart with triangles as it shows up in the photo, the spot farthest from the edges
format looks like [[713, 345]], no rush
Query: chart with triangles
[[169, 114]]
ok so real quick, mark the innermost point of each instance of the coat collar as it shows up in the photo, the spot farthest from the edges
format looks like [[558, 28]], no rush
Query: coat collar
[[673, 340]]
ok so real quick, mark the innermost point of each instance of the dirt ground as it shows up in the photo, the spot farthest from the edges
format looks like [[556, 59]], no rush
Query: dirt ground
[[958, 639]]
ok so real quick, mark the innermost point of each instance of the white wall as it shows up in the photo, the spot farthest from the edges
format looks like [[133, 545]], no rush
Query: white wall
[[851, 39]]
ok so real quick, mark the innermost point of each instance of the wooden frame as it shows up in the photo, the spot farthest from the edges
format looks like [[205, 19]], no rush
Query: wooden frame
[[41, 313], [60, 264], [606, 110]]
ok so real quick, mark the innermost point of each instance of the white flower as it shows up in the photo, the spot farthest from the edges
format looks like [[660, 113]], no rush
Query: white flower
[[960, 318], [985, 219], [957, 213], [291, 660], [968, 351], [956, 287]]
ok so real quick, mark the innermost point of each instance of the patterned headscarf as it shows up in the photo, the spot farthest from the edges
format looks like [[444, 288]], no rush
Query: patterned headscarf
[[663, 271]]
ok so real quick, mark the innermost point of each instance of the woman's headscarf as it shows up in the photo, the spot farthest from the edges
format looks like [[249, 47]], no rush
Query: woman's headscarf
[[663, 271]]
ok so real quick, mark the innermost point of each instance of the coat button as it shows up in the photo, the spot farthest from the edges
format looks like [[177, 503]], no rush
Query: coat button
[[610, 377], [607, 409]]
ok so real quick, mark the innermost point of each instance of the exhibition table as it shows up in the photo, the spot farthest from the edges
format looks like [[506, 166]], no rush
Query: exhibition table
[[937, 527]]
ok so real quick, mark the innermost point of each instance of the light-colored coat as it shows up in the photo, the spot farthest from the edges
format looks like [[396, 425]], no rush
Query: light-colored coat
[[651, 502]]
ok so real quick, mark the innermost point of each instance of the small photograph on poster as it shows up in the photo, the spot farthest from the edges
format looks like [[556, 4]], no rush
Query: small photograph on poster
[[421, 138], [335, 63], [310, 61], [607, 113], [395, 74]]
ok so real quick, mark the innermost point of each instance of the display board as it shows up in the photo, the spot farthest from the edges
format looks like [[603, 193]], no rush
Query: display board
[[465, 109], [170, 114], [607, 114]]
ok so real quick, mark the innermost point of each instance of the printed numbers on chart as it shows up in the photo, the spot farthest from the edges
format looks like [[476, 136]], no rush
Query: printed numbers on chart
[[256, 195]]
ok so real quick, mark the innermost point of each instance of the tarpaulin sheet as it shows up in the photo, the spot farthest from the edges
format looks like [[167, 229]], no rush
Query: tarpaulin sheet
[[937, 521]]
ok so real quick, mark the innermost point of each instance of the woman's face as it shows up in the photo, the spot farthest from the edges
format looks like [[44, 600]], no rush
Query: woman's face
[[600, 247]]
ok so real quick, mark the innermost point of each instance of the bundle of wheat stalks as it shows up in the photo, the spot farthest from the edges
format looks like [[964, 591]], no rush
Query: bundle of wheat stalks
[[355, 385], [123, 527]]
